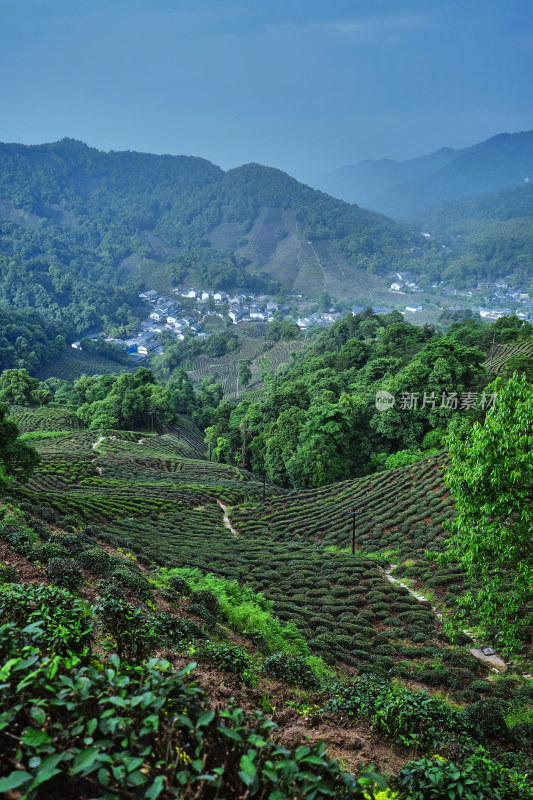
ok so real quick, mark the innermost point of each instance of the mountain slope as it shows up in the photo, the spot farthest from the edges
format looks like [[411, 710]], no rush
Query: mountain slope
[[77, 226], [407, 188]]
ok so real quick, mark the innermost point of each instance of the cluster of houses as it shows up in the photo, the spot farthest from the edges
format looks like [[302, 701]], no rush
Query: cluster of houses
[[499, 299], [403, 283]]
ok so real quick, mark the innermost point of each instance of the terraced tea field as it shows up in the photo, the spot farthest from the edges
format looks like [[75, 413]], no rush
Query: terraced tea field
[[225, 368], [139, 492], [74, 363], [501, 354]]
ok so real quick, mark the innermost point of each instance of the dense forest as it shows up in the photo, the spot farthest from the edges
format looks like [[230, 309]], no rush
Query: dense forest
[[319, 422], [27, 340], [489, 236]]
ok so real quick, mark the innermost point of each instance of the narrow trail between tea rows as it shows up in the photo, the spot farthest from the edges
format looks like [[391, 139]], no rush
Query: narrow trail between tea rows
[[486, 654]]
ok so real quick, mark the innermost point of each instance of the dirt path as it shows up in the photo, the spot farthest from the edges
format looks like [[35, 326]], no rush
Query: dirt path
[[227, 522], [100, 470], [482, 653]]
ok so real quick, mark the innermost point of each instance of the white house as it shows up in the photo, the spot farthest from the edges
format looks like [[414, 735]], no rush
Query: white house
[[189, 293], [151, 294], [413, 309], [395, 286]]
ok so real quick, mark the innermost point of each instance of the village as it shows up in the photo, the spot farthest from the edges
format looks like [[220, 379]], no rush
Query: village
[[186, 310]]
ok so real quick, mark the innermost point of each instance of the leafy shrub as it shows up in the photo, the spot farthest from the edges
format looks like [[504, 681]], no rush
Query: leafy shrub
[[97, 560], [22, 540], [485, 718], [65, 573], [291, 668], [133, 629], [179, 584], [70, 541], [46, 551], [435, 779], [8, 573], [481, 686], [65, 619], [227, 657], [137, 733], [207, 599], [132, 579]]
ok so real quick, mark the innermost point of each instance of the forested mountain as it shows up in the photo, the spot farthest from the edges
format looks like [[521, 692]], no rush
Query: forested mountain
[[489, 236], [405, 189], [81, 231]]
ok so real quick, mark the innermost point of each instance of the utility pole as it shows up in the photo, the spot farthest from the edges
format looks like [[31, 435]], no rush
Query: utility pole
[[353, 531], [264, 486]]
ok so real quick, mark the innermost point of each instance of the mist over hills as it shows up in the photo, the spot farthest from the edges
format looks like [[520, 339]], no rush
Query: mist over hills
[[407, 189]]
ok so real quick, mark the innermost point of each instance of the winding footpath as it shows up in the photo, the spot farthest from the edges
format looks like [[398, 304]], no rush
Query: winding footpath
[[482, 653], [227, 522]]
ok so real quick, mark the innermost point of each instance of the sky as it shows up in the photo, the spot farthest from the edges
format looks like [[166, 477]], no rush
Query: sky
[[303, 85]]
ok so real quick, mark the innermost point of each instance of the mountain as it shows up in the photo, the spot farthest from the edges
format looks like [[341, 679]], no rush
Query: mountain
[[363, 182], [81, 230], [409, 188]]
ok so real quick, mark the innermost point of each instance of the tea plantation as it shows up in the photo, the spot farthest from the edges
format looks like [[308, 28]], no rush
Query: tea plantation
[[127, 555]]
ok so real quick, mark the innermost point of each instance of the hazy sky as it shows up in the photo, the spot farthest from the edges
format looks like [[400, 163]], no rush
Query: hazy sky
[[304, 85]]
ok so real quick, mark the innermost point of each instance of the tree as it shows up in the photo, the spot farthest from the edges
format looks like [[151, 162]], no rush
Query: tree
[[519, 363], [17, 459], [17, 387], [491, 478], [245, 373]]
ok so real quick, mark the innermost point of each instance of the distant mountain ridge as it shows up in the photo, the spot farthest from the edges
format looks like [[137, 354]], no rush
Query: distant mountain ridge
[[407, 189]]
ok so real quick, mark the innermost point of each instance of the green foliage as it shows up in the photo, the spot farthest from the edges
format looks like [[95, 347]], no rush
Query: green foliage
[[65, 620], [227, 657], [412, 718], [18, 388], [27, 341], [291, 668], [435, 779], [16, 457], [65, 573], [146, 730], [491, 477], [133, 629], [246, 611], [8, 573]]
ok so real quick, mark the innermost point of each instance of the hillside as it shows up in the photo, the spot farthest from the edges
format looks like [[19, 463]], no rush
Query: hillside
[[407, 189], [81, 231], [265, 597]]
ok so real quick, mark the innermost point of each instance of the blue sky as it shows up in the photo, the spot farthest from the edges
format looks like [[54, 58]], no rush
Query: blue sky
[[304, 85]]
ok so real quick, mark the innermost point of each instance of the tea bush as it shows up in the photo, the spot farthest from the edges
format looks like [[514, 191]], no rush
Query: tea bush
[[142, 732], [65, 573], [66, 621], [436, 779], [293, 669], [8, 573]]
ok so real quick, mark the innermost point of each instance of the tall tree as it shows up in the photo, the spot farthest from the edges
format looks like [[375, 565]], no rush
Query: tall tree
[[17, 459], [491, 478]]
